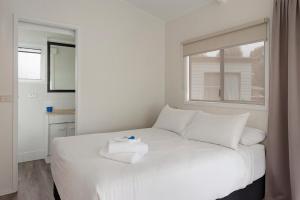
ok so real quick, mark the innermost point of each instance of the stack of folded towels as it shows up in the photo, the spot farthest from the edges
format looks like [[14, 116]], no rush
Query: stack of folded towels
[[126, 149]]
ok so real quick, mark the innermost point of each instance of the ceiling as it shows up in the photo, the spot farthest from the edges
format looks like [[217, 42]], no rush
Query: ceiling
[[169, 9]]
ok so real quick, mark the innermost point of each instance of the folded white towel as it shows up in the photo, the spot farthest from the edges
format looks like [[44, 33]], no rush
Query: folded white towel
[[129, 158], [127, 147]]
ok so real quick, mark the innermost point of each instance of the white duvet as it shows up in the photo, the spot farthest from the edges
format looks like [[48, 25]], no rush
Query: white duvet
[[174, 169]]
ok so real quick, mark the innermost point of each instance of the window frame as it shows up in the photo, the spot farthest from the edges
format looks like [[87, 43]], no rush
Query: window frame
[[42, 61], [227, 103]]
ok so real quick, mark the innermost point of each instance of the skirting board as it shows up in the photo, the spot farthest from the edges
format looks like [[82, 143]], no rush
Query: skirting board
[[254, 191], [31, 155], [7, 192]]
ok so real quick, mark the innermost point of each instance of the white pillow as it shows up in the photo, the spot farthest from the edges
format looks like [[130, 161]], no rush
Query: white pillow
[[174, 119], [252, 136], [223, 130]]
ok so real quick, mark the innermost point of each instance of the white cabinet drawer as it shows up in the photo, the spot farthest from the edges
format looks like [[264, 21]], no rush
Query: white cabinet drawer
[[56, 130], [71, 129], [54, 119], [59, 130]]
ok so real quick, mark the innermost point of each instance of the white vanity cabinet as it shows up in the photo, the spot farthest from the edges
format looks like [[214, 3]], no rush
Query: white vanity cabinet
[[59, 125], [60, 130], [57, 130], [71, 129]]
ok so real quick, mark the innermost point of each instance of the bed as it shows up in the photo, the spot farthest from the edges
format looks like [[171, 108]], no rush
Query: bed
[[174, 169]]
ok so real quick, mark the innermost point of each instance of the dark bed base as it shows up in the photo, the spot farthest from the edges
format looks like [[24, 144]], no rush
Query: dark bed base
[[55, 193], [255, 191]]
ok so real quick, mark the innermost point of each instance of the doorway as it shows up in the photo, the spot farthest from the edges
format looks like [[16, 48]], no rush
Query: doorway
[[45, 88]]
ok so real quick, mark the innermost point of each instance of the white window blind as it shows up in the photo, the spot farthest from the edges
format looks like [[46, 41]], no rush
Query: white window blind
[[228, 66], [248, 33]]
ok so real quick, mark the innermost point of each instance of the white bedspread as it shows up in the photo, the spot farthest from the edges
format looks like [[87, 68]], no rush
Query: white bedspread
[[174, 169]]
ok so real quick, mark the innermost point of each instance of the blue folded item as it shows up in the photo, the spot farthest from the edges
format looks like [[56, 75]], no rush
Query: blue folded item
[[49, 109], [131, 138]]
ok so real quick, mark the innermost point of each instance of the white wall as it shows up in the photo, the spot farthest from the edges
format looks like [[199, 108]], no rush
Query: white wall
[[209, 19], [34, 98], [121, 74]]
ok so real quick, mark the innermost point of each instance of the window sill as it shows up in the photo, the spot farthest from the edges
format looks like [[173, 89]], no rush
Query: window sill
[[228, 105], [31, 80]]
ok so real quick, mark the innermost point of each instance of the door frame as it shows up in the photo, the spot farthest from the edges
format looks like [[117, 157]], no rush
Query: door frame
[[16, 20]]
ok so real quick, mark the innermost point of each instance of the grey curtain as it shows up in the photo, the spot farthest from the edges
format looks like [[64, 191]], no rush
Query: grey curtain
[[283, 144]]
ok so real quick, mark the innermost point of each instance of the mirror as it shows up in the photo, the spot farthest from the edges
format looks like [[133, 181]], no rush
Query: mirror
[[61, 67]]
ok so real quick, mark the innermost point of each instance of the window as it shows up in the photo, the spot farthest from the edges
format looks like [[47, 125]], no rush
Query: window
[[29, 64], [234, 74]]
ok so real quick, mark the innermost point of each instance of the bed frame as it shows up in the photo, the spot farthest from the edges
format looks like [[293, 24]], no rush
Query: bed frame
[[254, 191]]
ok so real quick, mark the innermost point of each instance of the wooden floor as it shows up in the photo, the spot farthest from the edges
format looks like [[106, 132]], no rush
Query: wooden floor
[[35, 182]]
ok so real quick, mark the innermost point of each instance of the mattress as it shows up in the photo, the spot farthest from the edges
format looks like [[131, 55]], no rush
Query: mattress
[[174, 168]]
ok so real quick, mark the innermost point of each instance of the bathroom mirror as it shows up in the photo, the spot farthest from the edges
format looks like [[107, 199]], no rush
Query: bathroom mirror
[[61, 67]]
